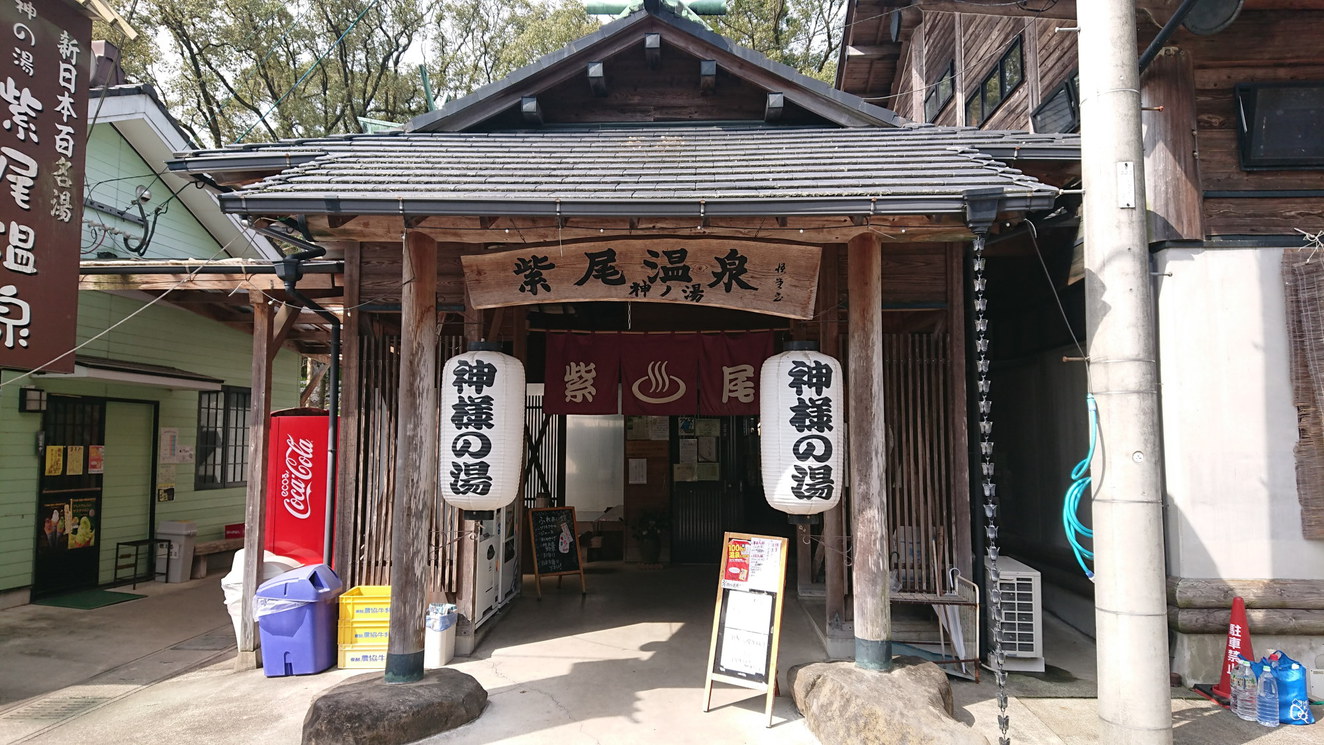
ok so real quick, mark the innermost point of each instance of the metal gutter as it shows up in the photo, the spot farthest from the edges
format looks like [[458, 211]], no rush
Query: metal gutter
[[269, 204]]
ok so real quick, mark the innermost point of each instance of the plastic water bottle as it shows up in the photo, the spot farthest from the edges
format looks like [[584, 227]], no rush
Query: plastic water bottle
[[1267, 695], [1244, 692]]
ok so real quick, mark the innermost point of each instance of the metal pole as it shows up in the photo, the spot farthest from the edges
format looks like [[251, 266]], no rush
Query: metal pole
[[1129, 599]]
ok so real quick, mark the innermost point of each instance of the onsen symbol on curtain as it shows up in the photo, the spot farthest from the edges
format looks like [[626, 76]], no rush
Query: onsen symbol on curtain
[[660, 385]]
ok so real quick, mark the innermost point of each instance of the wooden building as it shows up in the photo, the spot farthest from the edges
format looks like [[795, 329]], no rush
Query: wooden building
[[650, 139], [1233, 94]]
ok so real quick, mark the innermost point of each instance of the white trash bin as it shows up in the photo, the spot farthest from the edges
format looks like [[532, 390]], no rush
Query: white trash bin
[[439, 635], [181, 534], [232, 584]]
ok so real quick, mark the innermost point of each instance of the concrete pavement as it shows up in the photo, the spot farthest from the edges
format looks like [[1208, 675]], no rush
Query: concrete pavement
[[623, 664]]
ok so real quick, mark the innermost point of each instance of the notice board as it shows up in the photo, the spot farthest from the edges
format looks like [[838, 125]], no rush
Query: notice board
[[555, 545], [747, 617]]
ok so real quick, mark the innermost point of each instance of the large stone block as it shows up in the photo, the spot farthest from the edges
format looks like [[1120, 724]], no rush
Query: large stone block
[[911, 704], [367, 710]]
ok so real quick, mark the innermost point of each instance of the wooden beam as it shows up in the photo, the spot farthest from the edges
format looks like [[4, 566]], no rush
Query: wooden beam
[[1187, 592], [282, 325], [868, 446], [889, 50], [351, 409], [466, 590], [957, 417], [527, 230], [653, 50], [597, 78], [255, 507], [772, 111], [314, 380], [226, 282], [531, 110], [707, 76], [1034, 9], [834, 520], [416, 457]]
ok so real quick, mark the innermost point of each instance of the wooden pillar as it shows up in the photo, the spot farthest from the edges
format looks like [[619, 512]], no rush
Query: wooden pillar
[[415, 457], [834, 520], [351, 412], [1172, 173], [868, 465], [466, 591], [259, 411], [958, 418]]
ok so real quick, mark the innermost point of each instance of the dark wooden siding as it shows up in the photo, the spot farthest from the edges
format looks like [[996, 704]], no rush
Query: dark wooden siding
[[1280, 53]]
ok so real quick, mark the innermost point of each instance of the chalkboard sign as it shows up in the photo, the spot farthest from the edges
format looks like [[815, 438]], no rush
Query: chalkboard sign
[[555, 546], [747, 619]]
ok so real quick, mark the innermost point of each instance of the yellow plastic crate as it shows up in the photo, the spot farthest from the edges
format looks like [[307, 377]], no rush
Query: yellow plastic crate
[[364, 632], [365, 656], [366, 603]]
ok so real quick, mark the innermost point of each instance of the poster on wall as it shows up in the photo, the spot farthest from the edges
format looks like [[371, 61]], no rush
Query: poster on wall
[[96, 459], [165, 483], [54, 460], [168, 452], [67, 524], [73, 460]]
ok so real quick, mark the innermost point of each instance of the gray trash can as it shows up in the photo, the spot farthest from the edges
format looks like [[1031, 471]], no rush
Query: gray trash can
[[181, 534]]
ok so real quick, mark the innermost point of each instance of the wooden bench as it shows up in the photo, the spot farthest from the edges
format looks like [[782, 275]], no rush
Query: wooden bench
[[206, 548]]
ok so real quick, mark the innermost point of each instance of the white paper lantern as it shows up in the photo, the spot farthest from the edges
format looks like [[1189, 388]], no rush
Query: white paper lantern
[[802, 417], [482, 428]]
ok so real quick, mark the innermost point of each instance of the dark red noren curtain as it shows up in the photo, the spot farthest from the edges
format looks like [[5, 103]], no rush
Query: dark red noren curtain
[[659, 374], [582, 373], [729, 367]]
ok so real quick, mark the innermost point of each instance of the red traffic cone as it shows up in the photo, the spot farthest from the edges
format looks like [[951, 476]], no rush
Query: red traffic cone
[[1238, 643]]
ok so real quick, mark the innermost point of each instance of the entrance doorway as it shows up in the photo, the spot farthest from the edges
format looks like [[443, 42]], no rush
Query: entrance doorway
[[127, 491], [68, 521]]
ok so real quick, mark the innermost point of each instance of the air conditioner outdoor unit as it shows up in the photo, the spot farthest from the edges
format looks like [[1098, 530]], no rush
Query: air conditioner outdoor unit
[[1022, 616]]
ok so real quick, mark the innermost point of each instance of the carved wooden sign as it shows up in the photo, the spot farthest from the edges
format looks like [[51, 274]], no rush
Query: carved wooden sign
[[773, 278]]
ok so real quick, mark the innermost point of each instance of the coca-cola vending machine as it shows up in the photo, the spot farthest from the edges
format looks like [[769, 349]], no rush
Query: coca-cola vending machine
[[296, 485]]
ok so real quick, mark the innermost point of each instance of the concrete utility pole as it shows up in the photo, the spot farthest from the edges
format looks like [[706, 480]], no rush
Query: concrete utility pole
[[1129, 596]]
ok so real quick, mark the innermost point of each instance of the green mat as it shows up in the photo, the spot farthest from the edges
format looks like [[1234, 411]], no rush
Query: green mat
[[86, 599]]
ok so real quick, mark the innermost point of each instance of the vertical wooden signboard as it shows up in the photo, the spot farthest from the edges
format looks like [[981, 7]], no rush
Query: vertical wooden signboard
[[555, 546], [748, 618]]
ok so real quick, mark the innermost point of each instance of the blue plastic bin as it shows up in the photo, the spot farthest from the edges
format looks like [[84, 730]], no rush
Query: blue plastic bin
[[296, 619]]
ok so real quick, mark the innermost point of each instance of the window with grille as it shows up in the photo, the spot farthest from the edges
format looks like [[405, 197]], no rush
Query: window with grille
[[222, 447], [997, 86]]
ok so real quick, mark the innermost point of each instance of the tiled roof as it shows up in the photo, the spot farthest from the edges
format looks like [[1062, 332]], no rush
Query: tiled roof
[[646, 170]]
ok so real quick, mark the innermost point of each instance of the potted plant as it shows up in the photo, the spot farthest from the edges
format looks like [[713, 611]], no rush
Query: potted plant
[[648, 528]]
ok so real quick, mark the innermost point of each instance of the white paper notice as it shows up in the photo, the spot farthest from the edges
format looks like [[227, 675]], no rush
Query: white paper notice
[[689, 450], [746, 635], [638, 470], [765, 565]]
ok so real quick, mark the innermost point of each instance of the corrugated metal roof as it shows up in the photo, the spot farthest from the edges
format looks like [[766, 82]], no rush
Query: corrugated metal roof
[[422, 173]]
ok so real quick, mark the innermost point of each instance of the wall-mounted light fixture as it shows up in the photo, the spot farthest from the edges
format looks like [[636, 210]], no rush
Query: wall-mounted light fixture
[[31, 399]]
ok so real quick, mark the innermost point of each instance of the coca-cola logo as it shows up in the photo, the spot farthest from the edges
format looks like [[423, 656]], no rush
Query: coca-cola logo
[[296, 481]]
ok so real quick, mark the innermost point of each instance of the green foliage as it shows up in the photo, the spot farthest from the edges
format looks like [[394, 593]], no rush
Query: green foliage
[[481, 41], [231, 69], [804, 34], [225, 63]]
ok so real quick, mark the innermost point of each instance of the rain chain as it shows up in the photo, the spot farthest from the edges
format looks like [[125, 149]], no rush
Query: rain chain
[[997, 653]]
